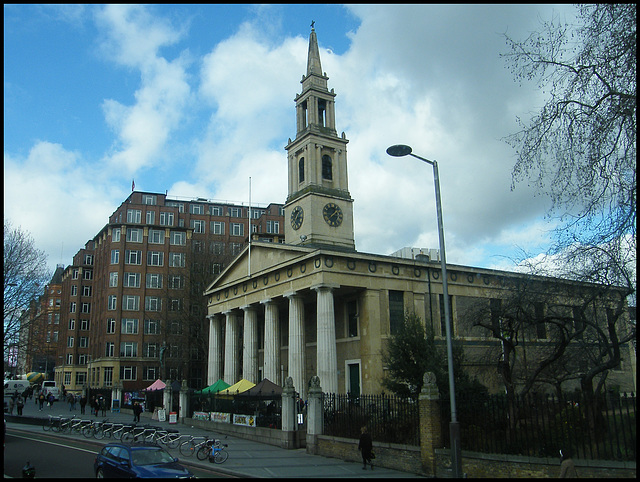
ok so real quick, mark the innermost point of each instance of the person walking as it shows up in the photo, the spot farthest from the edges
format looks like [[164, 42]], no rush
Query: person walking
[[137, 410], [83, 403], [103, 407], [365, 445], [12, 403], [50, 399], [41, 400], [20, 404], [567, 467]]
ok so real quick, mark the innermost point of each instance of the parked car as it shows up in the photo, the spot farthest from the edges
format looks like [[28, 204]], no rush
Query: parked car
[[140, 461]]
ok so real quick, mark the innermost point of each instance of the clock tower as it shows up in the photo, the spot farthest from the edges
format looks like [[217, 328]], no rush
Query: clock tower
[[319, 208]]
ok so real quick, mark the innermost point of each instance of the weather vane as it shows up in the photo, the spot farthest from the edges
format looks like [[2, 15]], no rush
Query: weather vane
[[313, 22]]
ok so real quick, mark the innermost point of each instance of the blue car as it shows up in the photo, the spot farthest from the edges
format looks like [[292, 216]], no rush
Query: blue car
[[140, 461]]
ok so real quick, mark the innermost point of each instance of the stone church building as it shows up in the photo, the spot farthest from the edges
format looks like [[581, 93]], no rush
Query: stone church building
[[314, 305]]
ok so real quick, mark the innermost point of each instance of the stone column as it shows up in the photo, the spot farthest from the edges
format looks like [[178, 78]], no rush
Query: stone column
[[166, 397], [250, 345], [231, 349], [327, 358], [289, 422], [296, 341], [183, 409], [271, 342], [214, 372], [315, 415], [430, 431]]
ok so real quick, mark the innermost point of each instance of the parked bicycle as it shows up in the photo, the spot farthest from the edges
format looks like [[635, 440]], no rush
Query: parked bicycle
[[89, 430], [191, 446], [106, 430], [142, 434], [121, 430], [214, 450], [52, 424], [170, 437]]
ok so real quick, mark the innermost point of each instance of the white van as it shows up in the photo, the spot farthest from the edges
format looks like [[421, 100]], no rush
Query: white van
[[51, 387], [13, 386]]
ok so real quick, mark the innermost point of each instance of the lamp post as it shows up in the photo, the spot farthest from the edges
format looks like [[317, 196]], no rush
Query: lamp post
[[454, 426]]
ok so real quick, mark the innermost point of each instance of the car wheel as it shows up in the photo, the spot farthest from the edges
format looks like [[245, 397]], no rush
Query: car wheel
[[100, 474]]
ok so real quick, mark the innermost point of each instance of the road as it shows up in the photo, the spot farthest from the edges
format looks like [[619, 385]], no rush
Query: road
[[57, 457]]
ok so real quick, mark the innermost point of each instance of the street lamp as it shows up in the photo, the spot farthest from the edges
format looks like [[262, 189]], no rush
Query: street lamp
[[454, 426]]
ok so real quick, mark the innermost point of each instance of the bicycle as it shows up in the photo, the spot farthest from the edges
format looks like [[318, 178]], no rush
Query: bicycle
[[189, 447], [106, 430], [90, 429], [77, 425], [169, 437], [215, 451], [121, 430], [54, 421], [139, 434], [64, 425]]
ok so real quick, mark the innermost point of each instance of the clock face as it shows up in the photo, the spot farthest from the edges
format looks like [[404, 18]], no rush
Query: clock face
[[332, 214], [297, 216]]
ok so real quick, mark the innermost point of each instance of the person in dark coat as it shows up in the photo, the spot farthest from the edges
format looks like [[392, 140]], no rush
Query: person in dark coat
[[365, 445], [137, 410], [567, 467], [83, 403]]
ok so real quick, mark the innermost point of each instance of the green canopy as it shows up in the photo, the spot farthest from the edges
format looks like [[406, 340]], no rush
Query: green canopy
[[215, 388]]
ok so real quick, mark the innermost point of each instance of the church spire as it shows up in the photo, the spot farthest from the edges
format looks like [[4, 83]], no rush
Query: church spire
[[313, 59]]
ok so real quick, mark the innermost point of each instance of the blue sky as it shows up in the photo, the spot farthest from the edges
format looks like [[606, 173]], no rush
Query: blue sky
[[196, 99]]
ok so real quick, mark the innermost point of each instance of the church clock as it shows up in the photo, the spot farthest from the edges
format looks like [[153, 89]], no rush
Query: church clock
[[332, 214], [297, 217]]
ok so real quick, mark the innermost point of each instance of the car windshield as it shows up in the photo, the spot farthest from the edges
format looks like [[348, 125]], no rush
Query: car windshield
[[150, 457]]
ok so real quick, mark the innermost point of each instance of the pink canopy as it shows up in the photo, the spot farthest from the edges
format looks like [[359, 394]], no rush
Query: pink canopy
[[157, 385]]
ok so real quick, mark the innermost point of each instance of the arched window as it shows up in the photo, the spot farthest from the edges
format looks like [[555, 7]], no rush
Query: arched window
[[327, 172], [301, 169]]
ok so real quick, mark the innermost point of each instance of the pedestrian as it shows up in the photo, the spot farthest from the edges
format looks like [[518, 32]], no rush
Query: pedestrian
[[365, 445], [70, 401], [41, 400], [567, 467], [20, 404], [137, 410], [103, 407], [83, 403], [12, 403], [50, 399]]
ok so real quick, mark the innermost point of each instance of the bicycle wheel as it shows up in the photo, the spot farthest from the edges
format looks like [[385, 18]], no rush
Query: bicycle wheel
[[187, 449], [174, 441], [98, 433], [127, 437], [220, 456], [203, 452], [47, 426], [88, 431]]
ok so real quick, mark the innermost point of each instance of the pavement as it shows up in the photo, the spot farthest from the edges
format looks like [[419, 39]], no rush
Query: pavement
[[247, 458]]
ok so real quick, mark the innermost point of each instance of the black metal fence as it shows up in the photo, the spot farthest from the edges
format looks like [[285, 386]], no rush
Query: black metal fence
[[541, 425], [266, 409], [388, 418]]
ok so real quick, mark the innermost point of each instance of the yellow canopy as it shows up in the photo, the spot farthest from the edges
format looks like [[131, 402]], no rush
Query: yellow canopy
[[241, 386]]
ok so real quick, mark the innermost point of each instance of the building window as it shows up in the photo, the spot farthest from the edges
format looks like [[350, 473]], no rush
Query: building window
[[69, 358], [115, 235], [88, 259], [156, 236], [175, 304], [131, 280], [215, 210], [174, 204], [110, 349], [301, 170], [175, 328], [74, 273], [86, 308], [352, 318], [87, 274], [154, 280], [83, 342], [217, 248], [236, 248], [72, 307], [176, 281], [82, 360], [131, 302], [74, 290], [108, 376], [134, 216], [217, 227], [152, 303], [196, 209], [84, 325], [134, 235], [129, 326], [166, 219], [133, 256], [273, 227], [115, 256], [176, 260], [128, 349], [112, 302], [327, 168], [151, 217], [396, 311], [111, 325], [128, 373], [72, 324], [197, 225], [113, 279], [235, 212], [86, 291], [150, 373], [149, 199], [237, 229], [69, 342], [155, 258], [178, 238], [151, 327]]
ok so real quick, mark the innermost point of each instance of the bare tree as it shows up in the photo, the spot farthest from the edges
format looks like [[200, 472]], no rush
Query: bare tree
[[580, 148], [25, 275]]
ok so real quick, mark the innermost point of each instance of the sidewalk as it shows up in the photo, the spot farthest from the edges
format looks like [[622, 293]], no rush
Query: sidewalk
[[246, 458]]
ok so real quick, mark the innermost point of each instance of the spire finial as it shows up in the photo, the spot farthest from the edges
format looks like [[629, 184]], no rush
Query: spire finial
[[313, 22], [313, 60]]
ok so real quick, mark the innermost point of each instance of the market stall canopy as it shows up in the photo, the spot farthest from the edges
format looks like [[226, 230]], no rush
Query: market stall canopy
[[157, 385], [215, 388], [239, 387], [266, 388]]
